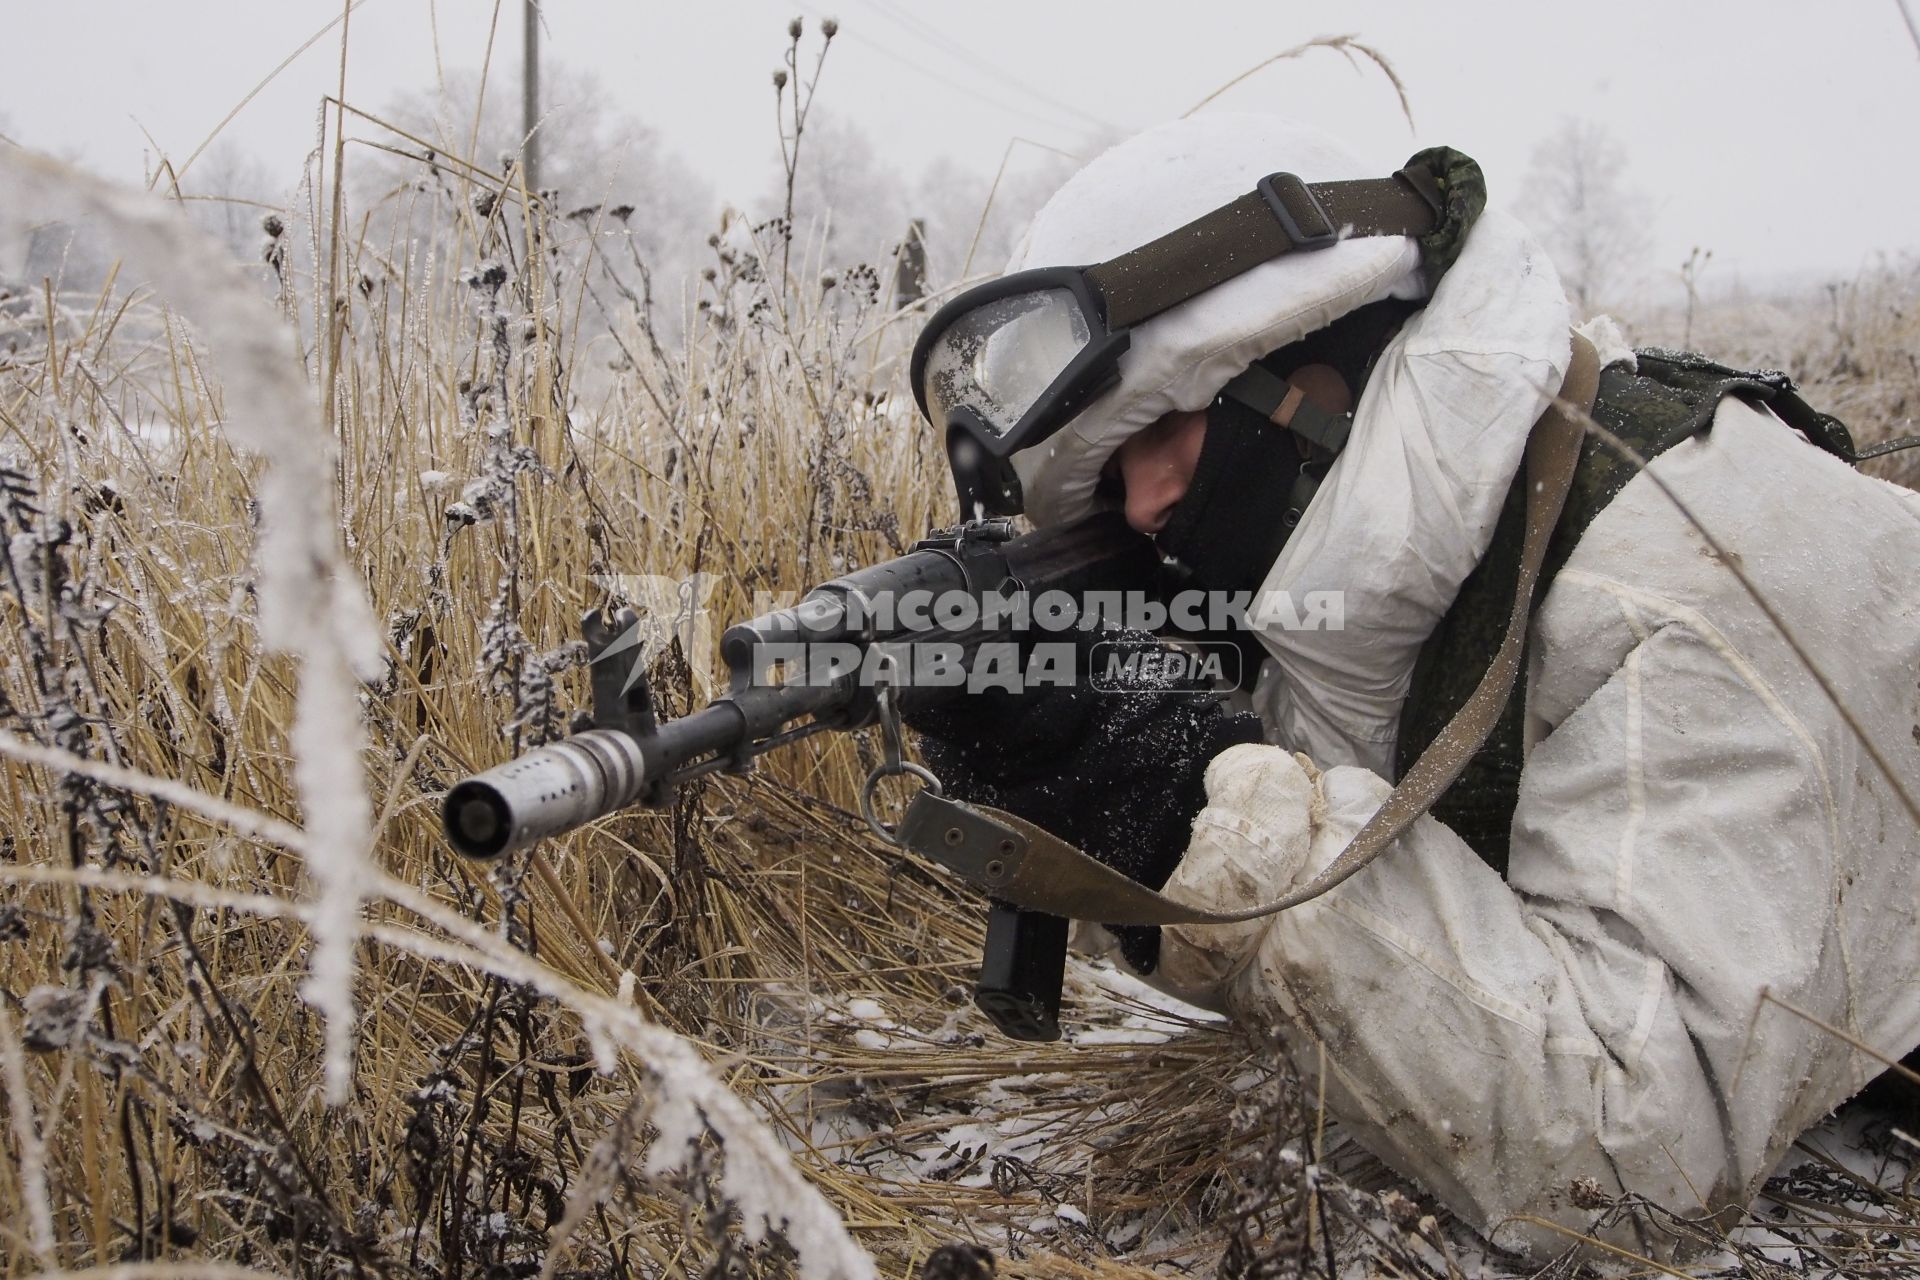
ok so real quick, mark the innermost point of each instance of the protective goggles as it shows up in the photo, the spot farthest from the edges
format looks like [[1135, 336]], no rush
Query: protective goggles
[[1006, 364]]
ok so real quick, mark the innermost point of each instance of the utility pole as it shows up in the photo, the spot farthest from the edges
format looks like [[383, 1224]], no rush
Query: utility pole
[[530, 99], [910, 266]]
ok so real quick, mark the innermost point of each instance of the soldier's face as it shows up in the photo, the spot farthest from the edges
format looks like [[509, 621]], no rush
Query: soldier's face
[[1157, 465]]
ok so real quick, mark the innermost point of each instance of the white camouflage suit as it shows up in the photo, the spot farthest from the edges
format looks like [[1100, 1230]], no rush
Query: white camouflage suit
[[1698, 825]]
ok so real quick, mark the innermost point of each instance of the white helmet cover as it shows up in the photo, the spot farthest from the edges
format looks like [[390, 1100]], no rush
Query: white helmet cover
[[1179, 360]]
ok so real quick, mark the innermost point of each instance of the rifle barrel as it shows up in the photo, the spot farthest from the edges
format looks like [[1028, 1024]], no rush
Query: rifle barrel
[[565, 785]]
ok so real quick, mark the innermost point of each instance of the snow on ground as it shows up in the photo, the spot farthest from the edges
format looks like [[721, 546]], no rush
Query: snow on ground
[[1022, 1141]]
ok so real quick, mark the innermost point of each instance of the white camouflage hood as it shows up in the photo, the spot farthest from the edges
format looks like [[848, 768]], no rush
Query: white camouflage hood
[[1146, 187]]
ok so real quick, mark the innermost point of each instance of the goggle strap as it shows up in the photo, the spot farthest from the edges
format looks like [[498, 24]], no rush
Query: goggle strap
[[1237, 236], [1281, 403]]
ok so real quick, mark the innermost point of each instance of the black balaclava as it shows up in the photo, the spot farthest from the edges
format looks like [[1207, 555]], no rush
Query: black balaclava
[[1253, 479]]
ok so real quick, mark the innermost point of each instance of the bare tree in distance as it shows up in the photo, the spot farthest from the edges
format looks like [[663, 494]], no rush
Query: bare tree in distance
[[227, 193], [591, 154], [1577, 199], [852, 206], [980, 222], [848, 204]]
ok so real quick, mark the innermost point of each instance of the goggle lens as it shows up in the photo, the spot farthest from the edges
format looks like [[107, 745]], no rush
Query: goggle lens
[[999, 358]]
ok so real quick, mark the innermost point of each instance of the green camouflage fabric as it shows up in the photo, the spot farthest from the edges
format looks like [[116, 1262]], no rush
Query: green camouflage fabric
[[1669, 399], [1463, 193]]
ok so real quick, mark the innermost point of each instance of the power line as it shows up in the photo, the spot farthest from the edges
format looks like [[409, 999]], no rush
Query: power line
[[1912, 30], [933, 36], [972, 93]]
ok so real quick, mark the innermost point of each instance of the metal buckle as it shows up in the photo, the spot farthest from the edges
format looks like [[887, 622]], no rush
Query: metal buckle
[[893, 762], [1319, 237]]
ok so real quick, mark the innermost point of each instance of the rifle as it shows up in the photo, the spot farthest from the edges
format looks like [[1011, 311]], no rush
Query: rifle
[[622, 755]]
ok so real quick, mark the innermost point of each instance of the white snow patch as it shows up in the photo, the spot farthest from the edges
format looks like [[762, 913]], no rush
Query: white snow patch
[[1128, 1034], [866, 1009]]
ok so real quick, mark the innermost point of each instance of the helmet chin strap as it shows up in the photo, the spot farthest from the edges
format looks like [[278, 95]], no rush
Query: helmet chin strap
[[1285, 405]]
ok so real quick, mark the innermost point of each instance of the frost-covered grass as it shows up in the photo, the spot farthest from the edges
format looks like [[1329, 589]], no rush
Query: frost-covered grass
[[1853, 345], [725, 1038], [235, 1028]]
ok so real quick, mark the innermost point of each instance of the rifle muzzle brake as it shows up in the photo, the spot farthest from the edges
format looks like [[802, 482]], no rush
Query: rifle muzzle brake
[[547, 791]]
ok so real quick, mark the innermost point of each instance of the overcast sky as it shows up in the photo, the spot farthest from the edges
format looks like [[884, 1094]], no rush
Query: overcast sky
[[1779, 134]]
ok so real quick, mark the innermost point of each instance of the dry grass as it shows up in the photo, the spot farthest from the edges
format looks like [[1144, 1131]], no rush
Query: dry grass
[[162, 1069], [1852, 345], [157, 1028]]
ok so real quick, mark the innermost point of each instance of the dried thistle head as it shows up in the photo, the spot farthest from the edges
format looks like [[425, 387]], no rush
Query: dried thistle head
[[489, 276], [56, 1017], [958, 1260], [1400, 1210], [1586, 1193]]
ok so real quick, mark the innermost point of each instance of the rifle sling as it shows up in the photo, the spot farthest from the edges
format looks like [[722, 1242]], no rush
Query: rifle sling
[[1020, 863]]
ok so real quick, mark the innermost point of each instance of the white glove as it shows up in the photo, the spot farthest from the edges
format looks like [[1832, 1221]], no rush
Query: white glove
[[1250, 845]]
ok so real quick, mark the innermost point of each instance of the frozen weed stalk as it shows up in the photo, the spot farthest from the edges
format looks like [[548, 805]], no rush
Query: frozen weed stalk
[[184, 522], [310, 602]]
